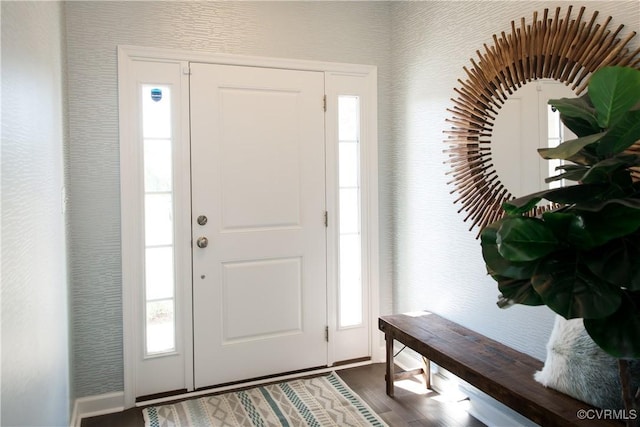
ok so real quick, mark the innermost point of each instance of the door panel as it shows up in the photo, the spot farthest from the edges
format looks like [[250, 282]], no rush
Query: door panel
[[258, 176], [273, 200], [250, 278]]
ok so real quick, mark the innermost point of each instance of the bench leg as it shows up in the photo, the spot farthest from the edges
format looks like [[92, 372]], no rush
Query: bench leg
[[426, 371], [390, 370]]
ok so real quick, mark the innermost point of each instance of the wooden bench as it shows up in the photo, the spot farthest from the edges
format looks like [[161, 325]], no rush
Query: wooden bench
[[499, 371]]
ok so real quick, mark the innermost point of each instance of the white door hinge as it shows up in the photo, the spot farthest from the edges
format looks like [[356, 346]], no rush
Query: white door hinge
[[326, 333], [186, 71], [326, 218], [324, 103]]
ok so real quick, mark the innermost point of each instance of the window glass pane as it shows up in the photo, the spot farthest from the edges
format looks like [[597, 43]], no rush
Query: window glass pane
[[349, 211], [157, 165], [158, 159], [156, 111], [348, 164], [348, 118], [350, 270], [159, 273], [158, 212], [160, 329], [554, 137], [350, 281]]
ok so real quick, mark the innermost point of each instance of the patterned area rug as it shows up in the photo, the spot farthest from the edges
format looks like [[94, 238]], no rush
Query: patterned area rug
[[321, 402]]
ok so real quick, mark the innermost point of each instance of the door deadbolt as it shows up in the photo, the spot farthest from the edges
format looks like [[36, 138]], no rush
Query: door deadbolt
[[202, 220], [202, 242]]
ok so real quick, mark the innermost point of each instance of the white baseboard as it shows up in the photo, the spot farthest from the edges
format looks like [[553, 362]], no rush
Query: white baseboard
[[491, 412], [92, 406]]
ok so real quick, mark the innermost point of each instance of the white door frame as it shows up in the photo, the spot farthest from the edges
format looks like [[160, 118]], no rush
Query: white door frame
[[131, 209]]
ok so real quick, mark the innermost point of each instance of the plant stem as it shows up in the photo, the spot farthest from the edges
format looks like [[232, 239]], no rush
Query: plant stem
[[630, 397]]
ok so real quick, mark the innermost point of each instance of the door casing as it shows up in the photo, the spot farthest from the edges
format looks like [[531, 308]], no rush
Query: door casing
[[128, 56]]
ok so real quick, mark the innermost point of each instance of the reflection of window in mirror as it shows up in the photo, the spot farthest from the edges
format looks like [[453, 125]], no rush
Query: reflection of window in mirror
[[557, 134], [523, 125]]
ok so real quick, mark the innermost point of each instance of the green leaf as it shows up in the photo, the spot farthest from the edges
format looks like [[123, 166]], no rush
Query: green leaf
[[572, 291], [576, 193], [525, 239], [525, 203], [602, 171], [570, 148], [521, 205], [587, 156], [518, 291], [619, 333], [564, 195], [572, 173], [578, 114], [496, 264], [614, 220], [613, 91], [559, 223], [617, 262], [579, 126], [630, 202], [567, 167], [624, 133]]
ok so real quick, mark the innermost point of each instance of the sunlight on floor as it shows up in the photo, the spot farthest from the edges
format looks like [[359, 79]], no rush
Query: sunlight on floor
[[459, 410], [458, 404], [414, 385]]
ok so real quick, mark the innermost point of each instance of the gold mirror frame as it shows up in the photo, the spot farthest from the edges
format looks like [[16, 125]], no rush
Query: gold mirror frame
[[561, 48]]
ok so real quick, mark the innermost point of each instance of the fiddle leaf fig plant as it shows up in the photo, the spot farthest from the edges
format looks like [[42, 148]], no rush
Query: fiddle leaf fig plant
[[582, 259]]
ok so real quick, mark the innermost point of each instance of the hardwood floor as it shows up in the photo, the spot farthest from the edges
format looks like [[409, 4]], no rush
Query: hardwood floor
[[419, 408]]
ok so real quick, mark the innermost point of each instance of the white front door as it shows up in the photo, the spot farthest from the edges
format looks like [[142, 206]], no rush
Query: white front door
[[259, 257]]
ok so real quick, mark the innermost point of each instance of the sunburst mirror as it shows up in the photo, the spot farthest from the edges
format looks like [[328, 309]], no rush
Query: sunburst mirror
[[552, 46]]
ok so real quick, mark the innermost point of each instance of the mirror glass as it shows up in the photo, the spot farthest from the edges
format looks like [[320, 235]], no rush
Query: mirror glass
[[525, 123]]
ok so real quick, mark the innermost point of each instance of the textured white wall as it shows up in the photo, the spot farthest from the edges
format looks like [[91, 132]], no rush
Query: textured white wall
[[35, 320], [437, 262], [355, 32]]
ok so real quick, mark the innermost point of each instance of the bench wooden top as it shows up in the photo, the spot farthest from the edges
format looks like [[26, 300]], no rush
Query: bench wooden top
[[501, 372]]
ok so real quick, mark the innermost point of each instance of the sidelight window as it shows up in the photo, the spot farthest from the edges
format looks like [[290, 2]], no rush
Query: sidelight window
[[350, 230], [159, 277], [555, 137]]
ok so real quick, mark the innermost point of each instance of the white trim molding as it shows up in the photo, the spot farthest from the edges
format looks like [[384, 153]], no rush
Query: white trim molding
[[149, 53], [139, 368], [490, 411], [93, 406]]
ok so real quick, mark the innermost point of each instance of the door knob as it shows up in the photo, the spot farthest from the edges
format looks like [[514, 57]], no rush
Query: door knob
[[202, 220], [202, 242]]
